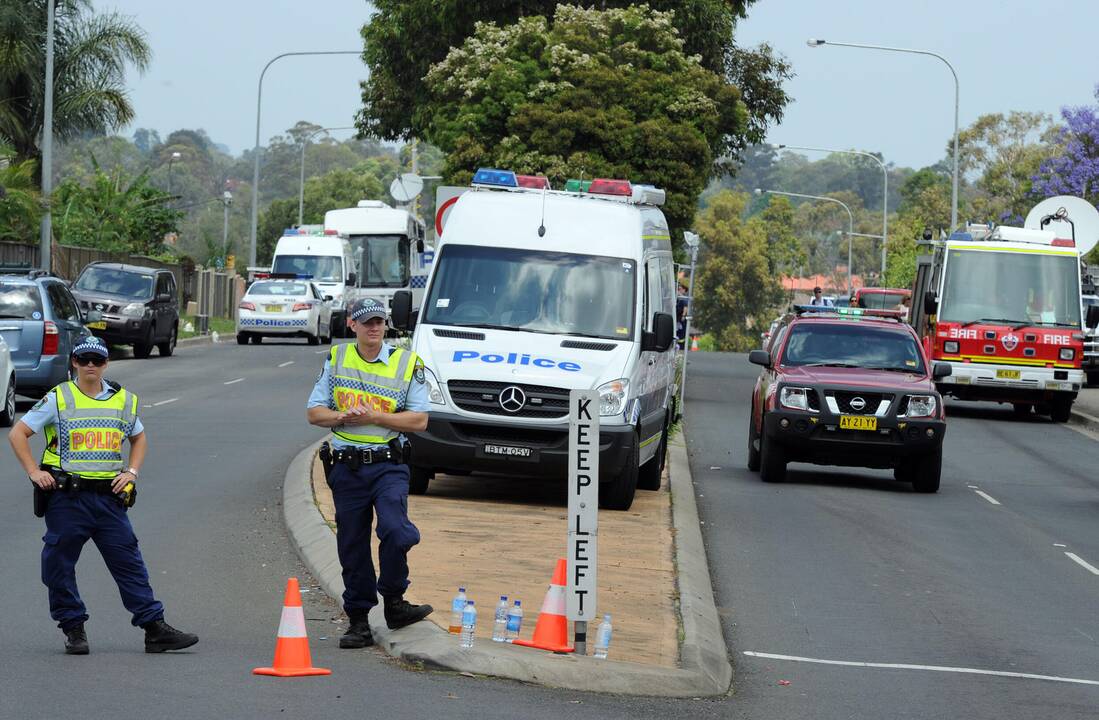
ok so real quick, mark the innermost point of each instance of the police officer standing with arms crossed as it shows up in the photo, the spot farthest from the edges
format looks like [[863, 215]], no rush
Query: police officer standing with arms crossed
[[368, 393], [85, 487]]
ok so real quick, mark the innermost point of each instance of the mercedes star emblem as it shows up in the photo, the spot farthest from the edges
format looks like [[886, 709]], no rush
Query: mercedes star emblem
[[512, 399], [857, 403]]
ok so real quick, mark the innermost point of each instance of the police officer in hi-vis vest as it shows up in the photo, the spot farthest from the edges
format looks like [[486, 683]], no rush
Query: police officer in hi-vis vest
[[368, 394], [83, 488]]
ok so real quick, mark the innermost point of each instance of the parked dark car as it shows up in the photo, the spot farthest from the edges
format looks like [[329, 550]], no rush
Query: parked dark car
[[41, 323], [138, 305], [845, 386]]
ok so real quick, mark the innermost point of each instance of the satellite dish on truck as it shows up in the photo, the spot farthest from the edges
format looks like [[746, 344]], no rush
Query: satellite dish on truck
[[1084, 217], [406, 187]]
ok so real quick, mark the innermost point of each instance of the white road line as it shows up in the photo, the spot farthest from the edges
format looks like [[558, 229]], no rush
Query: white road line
[[932, 668], [988, 497], [1059, 545], [322, 352], [288, 362], [1082, 563], [165, 402], [972, 487], [233, 381]]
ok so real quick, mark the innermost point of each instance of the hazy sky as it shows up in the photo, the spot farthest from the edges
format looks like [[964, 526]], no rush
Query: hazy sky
[[1009, 54]]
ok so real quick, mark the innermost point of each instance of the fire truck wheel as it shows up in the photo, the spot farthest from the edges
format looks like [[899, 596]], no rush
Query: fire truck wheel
[[1060, 410], [926, 472], [1021, 408]]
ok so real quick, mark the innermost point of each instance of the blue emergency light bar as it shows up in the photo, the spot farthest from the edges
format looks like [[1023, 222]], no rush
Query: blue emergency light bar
[[496, 178]]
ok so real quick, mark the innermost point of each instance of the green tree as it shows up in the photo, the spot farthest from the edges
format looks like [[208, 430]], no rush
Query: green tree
[[785, 253], [405, 38], [1002, 153], [113, 212], [91, 54], [735, 287], [20, 204], [597, 94]]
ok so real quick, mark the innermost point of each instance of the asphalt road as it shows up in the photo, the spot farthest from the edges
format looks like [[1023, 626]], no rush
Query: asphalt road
[[847, 565], [223, 423]]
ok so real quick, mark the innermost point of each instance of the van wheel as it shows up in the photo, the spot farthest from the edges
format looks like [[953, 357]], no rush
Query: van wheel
[[926, 472], [753, 451], [7, 414], [650, 474], [167, 348], [772, 462], [242, 338], [418, 480], [617, 494]]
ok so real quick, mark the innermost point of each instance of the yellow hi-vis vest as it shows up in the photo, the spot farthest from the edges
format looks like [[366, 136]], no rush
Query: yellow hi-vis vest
[[87, 439], [379, 386]]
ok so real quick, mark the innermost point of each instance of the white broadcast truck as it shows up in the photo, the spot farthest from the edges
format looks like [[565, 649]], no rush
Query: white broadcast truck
[[389, 248], [534, 293]]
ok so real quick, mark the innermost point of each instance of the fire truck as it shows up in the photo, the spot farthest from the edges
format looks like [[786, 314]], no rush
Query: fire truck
[[1002, 305]]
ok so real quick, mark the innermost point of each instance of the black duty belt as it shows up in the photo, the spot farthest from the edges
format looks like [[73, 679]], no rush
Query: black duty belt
[[67, 482], [354, 457]]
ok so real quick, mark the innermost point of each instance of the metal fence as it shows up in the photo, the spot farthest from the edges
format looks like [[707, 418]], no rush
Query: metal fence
[[216, 294]]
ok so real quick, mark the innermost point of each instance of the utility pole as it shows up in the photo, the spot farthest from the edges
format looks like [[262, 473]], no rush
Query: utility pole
[[46, 237]]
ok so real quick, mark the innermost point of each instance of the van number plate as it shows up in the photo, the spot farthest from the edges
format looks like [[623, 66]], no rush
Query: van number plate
[[508, 450], [858, 422], [1008, 374]]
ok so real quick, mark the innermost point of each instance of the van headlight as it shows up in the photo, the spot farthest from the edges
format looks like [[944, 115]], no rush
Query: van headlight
[[795, 398], [434, 390], [133, 310], [612, 397], [921, 406]]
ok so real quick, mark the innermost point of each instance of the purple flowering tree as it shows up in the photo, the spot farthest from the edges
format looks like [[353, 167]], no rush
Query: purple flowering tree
[[1074, 169]]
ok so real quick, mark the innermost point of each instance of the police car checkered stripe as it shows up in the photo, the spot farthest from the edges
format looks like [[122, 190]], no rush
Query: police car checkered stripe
[[262, 322], [95, 456]]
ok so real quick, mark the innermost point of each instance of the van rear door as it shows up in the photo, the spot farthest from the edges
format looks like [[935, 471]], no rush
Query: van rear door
[[21, 322]]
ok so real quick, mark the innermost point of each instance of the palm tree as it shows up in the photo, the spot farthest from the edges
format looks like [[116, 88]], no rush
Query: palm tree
[[91, 53], [20, 209]]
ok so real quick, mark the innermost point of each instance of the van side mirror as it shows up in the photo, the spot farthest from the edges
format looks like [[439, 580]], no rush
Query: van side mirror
[[164, 297], [941, 370], [662, 334], [930, 304], [760, 357], [420, 246], [328, 298], [400, 310], [1092, 316], [351, 278]]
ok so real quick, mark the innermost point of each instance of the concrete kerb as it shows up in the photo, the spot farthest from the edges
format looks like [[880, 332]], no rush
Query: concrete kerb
[[705, 668], [1085, 420]]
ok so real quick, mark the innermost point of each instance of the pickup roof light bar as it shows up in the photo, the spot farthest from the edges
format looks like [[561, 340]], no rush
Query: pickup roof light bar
[[849, 312]]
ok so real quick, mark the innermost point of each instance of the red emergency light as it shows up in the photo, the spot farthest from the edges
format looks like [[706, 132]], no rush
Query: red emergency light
[[1063, 242], [533, 181], [603, 186]]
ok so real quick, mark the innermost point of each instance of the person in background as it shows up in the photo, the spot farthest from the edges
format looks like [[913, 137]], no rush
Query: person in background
[[681, 303], [818, 299]]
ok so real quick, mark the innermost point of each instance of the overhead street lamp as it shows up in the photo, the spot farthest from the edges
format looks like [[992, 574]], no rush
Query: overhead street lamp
[[816, 42], [692, 241], [301, 182], [884, 192], [256, 153], [226, 200], [850, 221], [175, 156], [46, 234]]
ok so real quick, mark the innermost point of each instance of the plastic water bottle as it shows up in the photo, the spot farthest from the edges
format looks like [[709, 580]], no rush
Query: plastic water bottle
[[500, 621], [515, 621], [457, 606], [603, 638], [469, 625]]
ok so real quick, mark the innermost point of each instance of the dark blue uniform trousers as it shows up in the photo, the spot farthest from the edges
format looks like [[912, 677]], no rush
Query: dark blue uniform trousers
[[73, 518], [358, 494]]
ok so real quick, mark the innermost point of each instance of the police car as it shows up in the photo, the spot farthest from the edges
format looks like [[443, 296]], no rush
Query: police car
[[847, 386], [281, 307]]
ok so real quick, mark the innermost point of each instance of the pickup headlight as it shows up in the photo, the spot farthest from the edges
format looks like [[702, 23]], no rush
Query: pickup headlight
[[133, 310], [612, 397], [434, 391], [795, 398], [1068, 353], [921, 406]]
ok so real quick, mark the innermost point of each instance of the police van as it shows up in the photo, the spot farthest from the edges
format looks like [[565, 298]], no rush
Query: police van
[[534, 293], [389, 248], [310, 252]]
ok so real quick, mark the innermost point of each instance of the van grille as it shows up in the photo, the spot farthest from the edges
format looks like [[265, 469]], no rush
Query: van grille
[[482, 396], [459, 334], [582, 345]]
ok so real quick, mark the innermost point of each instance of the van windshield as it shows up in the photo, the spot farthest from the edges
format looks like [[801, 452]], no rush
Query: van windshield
[[533, 290], [382, 259], [322, 268]]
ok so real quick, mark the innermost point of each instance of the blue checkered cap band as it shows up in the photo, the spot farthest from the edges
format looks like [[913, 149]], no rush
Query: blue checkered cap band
[[90, 345], [366, 308]]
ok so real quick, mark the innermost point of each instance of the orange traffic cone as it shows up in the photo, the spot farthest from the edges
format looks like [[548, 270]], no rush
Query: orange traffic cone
[[551, 632], [694, 343], [292, 646]]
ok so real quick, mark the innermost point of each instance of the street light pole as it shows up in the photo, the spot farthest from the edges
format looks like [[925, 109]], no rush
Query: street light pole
[[255, 168], [815, 42], [226, 200], [46, 236], [850, 222], [884, 192], [692, 241], [301, 182], [175, 156]]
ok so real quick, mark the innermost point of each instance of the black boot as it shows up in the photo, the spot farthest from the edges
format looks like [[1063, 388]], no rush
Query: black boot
[[160, 636], [399, 612], [358, 633], [76, 640]]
